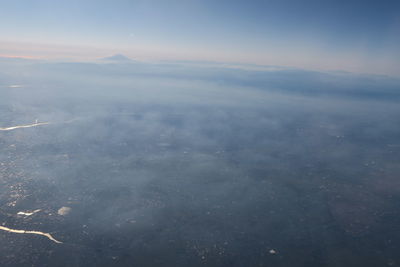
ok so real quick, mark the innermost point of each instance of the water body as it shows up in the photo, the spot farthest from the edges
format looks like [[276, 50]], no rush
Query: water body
[[181, 165]]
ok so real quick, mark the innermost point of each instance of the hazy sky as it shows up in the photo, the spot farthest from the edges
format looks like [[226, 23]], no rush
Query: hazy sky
[[351, 35]]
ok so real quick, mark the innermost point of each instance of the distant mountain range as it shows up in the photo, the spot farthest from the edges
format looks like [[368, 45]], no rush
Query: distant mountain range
[[118, 57]]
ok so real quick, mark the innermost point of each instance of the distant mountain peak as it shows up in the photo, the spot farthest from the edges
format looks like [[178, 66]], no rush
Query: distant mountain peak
[[117, 57]]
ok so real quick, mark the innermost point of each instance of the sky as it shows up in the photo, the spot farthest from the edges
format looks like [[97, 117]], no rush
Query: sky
[[352, 35]]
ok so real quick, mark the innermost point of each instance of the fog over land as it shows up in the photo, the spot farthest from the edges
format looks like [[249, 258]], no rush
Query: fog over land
[[197, 164]]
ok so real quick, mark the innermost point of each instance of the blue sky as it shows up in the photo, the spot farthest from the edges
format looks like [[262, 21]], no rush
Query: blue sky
[[360, 36]]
